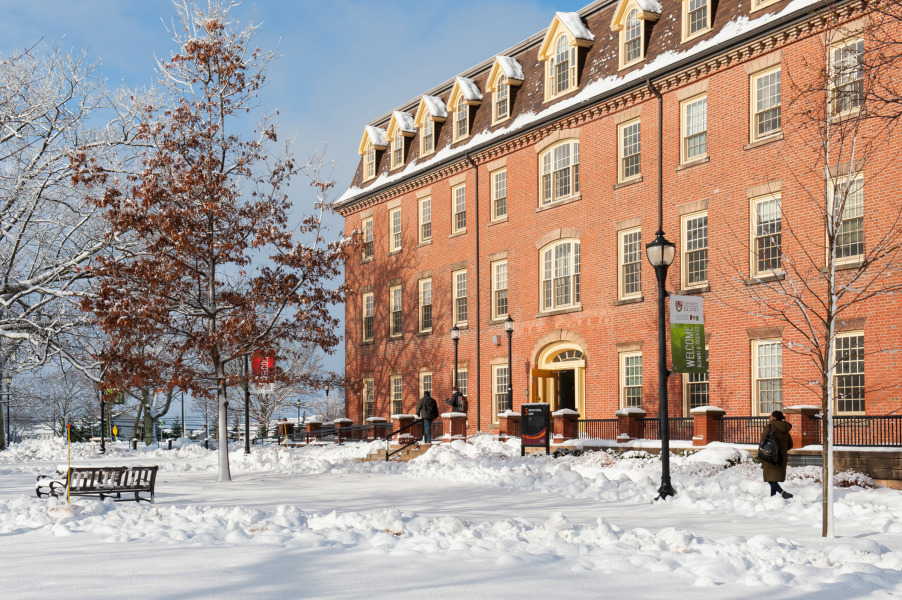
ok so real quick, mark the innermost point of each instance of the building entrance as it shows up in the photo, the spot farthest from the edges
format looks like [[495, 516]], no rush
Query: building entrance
[[560, 377]]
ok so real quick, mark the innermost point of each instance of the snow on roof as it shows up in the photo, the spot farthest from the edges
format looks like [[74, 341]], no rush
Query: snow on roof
[[469, 88], [574, 23], [435, 106], [404, 121], [376, 135], [592, 91], [652, 6], [510, 67]]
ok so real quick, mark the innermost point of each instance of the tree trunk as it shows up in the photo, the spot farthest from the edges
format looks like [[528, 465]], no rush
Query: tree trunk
[[223, 428]]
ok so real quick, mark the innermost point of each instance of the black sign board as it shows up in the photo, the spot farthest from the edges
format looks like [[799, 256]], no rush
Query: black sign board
[[535, 426]]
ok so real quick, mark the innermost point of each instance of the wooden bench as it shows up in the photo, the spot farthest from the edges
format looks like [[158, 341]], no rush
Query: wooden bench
[[101, 481]]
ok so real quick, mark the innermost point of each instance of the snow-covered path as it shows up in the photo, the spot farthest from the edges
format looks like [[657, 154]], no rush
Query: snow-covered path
[[466, 521]]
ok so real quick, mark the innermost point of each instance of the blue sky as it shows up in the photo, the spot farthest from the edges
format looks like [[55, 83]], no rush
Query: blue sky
[[341, 63]]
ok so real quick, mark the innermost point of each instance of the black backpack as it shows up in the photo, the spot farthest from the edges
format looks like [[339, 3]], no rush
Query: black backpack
[[462, 404], [769, 450]]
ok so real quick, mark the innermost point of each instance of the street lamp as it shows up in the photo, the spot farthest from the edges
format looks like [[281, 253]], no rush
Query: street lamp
[[327, 387], [455, 335], [298, 404], [8, 381], [509, 328], [660, 255]]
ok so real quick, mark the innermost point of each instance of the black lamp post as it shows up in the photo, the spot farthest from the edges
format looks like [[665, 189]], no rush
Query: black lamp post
[[455, 335], [327, 387], [247, 407], [660, 255], [509, 328], [8, 381]]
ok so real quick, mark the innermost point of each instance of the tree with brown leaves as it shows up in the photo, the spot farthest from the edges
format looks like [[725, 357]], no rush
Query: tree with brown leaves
[[221, 273]]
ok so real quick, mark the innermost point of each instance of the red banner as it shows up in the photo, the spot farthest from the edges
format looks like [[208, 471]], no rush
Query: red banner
[[262, 363]]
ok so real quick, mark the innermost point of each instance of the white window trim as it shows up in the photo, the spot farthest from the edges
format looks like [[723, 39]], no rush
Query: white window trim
[[400, 388], [621, 149], [551, 92], [622, 361], [421, 378], [502, 84], [364, 317], [454, 213], [399, 138], [421, 222], [496, 315], [495, 370], [756, 404], [753, 242], [370, 162], [753, 104], [461, 106], [368, 398], [363, 228], [574, 303], [423, 150], [463, 376], [394, 234], [759, 4], [685, 389], [400, 308], [686, 36], [494, 174], [683, 133], [835, 114], [684, 263], [624, 63], [421, 284], [573, 168], [831, 194], [621, 237], [848, 334], [456, 320]]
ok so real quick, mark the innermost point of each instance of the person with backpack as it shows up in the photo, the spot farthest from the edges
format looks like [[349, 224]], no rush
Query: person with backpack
[[457, 401], [775, 473], [427, 409]]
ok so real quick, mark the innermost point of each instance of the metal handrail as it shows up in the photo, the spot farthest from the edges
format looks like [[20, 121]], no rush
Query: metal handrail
[[389, 436]]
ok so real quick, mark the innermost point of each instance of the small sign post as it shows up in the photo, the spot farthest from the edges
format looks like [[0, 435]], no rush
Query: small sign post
[[535, 426]]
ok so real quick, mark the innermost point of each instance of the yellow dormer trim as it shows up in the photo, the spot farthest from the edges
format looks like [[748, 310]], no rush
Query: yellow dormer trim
[[558, 27], [618, 21], [393, 127], [366, 140], [457, 96], [496, 76], [423, 113], [631, 40]]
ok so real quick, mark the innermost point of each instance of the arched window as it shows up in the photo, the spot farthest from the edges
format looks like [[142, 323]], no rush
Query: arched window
[[632, 37], [561, 65], [560, 171], [569, 356], [560, 275]]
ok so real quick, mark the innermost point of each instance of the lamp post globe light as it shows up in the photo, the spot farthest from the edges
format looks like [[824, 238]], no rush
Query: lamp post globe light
[[299, 405], [327, 387], [660, 254], [455, 335], [509, 328]]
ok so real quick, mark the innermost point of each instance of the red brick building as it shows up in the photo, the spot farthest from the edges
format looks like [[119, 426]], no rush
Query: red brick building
[[529, 185]]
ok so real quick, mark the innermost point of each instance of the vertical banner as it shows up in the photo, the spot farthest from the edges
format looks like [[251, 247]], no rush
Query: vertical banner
[[687, 334]]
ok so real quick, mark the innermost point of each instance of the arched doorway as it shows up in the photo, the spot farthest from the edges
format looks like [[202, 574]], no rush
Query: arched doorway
[[560, 377]]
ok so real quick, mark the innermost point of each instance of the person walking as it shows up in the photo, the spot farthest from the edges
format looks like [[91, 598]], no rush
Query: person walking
[[427, 409], [774, 474], [454, 401]]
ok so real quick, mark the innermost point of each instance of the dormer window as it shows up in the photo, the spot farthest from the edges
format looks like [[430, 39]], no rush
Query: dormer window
[[634, 19], [371, 144], [560, 51], [397, 150], [464, 96], [696, 18], [399, 129], [430, 111], [505, 77]]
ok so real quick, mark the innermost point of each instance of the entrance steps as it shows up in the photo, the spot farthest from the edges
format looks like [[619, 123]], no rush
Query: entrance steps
[[402, 456]]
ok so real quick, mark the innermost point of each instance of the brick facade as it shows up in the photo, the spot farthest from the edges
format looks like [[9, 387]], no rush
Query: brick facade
[[603, 326]]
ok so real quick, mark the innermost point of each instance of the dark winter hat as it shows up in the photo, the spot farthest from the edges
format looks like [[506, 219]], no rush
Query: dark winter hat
[[778, 415]]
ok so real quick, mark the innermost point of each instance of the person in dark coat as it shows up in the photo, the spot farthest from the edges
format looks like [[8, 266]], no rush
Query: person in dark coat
[[427, 409], [454, 401], [774, 474]]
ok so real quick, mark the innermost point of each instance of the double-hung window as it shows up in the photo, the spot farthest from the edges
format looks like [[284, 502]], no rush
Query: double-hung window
[[367, 251], [425, 383], [394, 218], [427, 137], [560, 171], [500, 379], [560, 275], [767, 372], [425, 305], [499, 289], [502, 101], [848, 378], [462, 380], [369, 398], [768, 240], [695, 391], [848, 195], [397, 398], [395, 325], [459, 208], [461, 120], [630, 243], [459, 280], [694, 122], [499, 194], [695, 250], [630, 150], [425, 219], [847, 76], [397, 150], [368, 313], [632, 38], [766, 104], [696, 18], [630, 379], [369, 167]]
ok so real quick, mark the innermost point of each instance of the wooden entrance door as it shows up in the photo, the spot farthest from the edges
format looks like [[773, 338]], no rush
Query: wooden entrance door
[[540, 377]]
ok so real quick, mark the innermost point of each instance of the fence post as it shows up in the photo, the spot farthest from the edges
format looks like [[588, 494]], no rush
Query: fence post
[[630, 423], [455, 425], [339, 425], [565, 425], [704, 424], [803, 424], [508, 421], [377, 428], [403, 421]]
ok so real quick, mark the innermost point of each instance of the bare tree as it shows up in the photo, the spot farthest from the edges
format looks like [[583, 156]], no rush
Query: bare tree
[[57, 395], [328, 408], [825, 258]]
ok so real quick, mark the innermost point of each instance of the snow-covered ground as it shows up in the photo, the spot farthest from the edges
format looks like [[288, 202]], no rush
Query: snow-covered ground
[[463, 521]]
